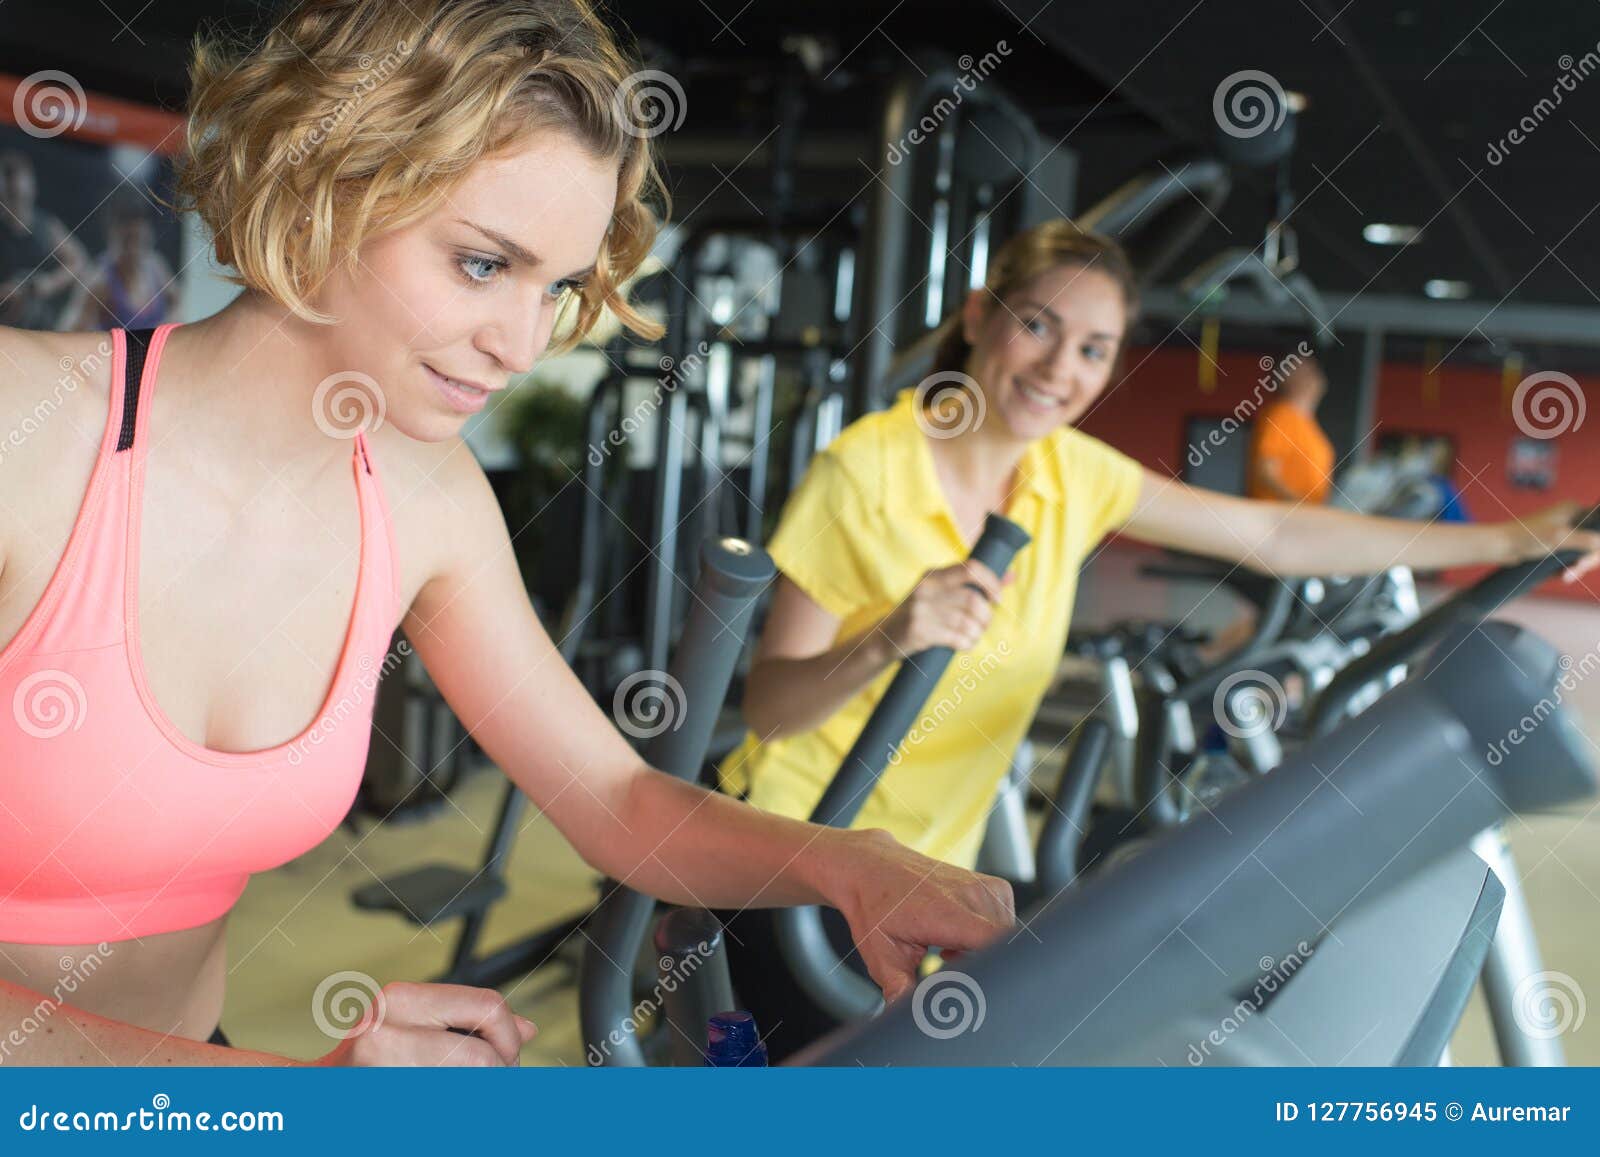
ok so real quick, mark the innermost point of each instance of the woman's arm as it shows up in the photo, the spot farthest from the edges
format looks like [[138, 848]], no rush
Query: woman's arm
[[1289, 539], [484, 646], [409, 1024], [800, 676]]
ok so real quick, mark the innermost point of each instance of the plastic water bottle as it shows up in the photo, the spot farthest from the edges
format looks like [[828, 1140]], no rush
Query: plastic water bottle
[[733, 1042]]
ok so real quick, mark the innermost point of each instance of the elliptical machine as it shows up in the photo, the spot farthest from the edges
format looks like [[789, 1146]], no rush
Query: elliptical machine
[[1511, 955], [1278, 915], [1328, 914]]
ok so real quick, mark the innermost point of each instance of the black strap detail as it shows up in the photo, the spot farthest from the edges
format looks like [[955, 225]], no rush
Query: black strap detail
[[138, 348]]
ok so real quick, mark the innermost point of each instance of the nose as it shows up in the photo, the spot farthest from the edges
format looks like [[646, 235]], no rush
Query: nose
[[1061, 363], [520, 333]]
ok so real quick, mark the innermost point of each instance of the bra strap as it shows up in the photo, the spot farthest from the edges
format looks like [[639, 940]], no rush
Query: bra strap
[[138, 347]]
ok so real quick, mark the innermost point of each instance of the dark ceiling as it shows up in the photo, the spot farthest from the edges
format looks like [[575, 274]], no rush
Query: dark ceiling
[[1404, 100]]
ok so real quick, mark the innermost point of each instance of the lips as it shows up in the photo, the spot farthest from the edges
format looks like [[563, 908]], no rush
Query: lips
[[463, 383], [1039, 397], [458, 396]]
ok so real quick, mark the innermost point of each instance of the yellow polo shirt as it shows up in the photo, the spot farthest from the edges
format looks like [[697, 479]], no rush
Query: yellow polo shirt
[[866, 522]]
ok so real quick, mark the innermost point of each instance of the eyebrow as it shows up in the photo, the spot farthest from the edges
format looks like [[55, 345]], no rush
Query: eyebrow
[[526, 256], [1057, 318]]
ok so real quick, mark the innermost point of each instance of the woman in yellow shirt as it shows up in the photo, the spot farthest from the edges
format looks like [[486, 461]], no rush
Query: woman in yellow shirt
[[871, 549]]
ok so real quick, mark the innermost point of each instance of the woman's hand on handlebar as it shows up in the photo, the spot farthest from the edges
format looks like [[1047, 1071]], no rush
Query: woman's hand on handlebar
[[899, 904], [949, 607], [1555, 529], [452, 1025]]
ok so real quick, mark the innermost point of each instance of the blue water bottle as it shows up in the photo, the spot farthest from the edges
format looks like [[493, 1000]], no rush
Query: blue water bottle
[[733, 1042]]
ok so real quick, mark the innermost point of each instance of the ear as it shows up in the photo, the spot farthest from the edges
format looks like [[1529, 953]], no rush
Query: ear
[[974, 312]]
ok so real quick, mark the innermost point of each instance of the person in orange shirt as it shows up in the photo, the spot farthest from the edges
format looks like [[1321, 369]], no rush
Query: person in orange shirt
[[1290, 458]]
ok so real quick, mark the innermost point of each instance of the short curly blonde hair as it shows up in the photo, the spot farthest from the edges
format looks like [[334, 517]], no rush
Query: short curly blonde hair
[[362, 113]]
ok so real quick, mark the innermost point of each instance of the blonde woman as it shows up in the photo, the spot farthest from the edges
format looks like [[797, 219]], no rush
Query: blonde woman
[[871, 547], [207, 546]]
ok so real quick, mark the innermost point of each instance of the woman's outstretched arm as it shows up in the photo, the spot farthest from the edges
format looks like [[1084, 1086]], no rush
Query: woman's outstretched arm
[[1303, 539]]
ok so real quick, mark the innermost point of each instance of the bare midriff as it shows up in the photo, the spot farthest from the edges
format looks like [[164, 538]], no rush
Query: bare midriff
[[170, 984]]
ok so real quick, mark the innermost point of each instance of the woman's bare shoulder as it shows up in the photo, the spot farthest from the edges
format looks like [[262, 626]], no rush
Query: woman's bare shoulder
[[54, 399], [439, 499], [43, 375], [416, 472]]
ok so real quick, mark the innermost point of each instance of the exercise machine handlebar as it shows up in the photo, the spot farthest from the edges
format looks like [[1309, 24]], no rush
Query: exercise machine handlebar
[[732, 574], [897, 711], [1061, 842], [802, 939]]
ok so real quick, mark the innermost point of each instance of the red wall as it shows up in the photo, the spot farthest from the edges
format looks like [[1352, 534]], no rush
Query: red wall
[[94, 117], [1146, 416]]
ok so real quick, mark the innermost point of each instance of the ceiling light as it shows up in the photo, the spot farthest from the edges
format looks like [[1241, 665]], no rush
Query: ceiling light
[[1391, 234], [1295, 100], [1441, 290]]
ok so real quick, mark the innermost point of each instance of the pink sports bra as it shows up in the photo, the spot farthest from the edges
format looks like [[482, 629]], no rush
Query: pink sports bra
[[113, 823]]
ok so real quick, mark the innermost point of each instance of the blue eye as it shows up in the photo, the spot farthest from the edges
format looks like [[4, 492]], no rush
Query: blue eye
[[559, 289], [1096, 353], [1036, 327], [468, 262]]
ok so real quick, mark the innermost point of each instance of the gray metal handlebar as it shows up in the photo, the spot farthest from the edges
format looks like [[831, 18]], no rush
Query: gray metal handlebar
[[732, 574], [802, 939]]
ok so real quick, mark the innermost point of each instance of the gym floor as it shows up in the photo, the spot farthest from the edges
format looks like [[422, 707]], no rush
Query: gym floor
[[295, 926]]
